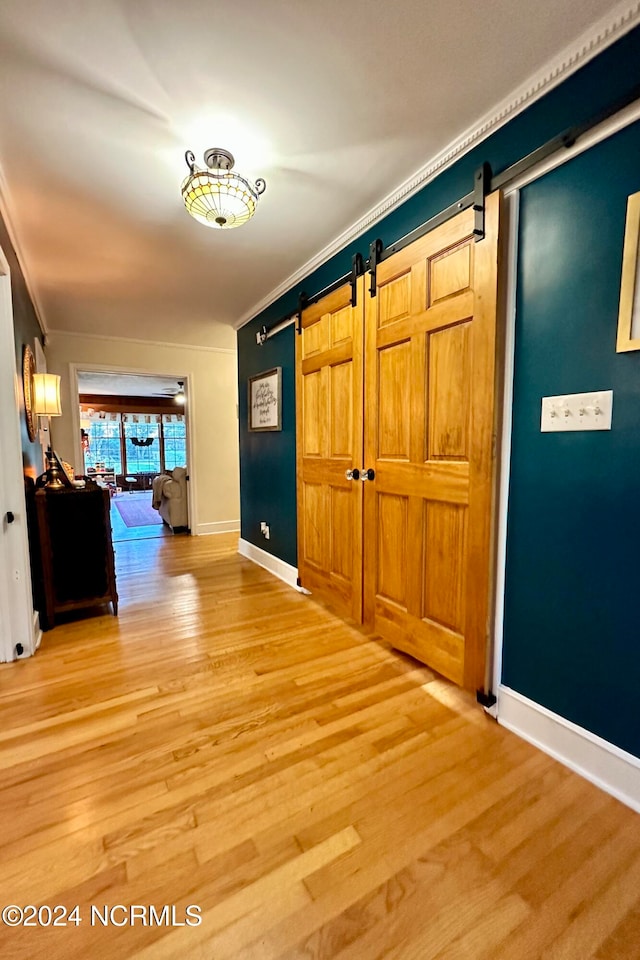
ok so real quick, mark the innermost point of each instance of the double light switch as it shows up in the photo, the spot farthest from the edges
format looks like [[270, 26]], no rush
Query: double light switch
[[577, 411]]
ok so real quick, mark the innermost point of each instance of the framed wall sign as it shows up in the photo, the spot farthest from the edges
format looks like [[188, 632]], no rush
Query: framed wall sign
[[265, 400], [629, 315]]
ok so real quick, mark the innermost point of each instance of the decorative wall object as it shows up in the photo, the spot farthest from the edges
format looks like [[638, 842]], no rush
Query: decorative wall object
[[91, 414], [629, 315], [265, 400], [28, 371], [141, 417]]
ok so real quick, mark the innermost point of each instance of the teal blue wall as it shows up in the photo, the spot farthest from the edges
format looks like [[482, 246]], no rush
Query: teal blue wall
[[551, 358], [572, 628], [268, 460]]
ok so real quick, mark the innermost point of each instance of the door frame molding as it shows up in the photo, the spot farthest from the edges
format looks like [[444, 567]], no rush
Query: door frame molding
[[510, 226], [19, 623]]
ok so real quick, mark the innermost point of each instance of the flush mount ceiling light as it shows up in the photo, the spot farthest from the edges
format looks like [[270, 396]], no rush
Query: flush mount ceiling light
[[217, 197]]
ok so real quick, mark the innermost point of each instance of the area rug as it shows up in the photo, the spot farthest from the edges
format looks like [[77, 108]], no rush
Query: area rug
[[136, 511]]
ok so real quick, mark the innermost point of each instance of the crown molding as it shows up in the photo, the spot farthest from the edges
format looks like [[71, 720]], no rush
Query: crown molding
[[589, 44], [230, 351], [7, 208]]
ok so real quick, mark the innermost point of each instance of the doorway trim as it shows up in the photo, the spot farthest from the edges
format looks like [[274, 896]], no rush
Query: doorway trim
[[18, 622]]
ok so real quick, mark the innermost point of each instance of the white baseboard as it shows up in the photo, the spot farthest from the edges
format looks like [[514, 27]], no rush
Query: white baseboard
[[273, 564], [221, 526], [613, 770]]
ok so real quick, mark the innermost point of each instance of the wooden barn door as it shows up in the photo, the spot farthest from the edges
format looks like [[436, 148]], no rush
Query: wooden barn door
[[430, 367], [329, 391]]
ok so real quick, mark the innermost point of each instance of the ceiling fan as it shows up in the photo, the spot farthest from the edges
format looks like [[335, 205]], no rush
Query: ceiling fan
[[170, 392]]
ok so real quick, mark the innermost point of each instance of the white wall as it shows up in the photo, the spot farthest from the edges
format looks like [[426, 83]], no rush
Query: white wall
[[212, 373]]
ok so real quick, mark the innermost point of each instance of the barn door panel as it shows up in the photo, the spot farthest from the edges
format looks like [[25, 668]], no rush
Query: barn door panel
[[430, 362], [329, 390]]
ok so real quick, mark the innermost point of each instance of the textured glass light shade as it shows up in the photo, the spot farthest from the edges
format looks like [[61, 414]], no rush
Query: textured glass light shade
[[221, 201], [47, 395], [218, 197]]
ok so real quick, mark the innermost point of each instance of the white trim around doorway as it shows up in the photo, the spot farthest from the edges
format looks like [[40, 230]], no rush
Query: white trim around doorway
[[19, 627]]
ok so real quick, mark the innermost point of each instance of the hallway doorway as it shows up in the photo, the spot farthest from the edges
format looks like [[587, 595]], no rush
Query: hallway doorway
[[133, 429]]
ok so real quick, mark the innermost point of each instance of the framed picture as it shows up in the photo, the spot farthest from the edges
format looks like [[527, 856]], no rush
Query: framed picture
[[265, 400], [629, 315]]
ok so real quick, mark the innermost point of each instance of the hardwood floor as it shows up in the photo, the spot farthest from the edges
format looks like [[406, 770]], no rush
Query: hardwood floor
[[228, 743]]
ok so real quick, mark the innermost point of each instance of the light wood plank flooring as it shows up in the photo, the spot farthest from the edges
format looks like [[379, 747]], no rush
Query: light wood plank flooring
[[228, 743]]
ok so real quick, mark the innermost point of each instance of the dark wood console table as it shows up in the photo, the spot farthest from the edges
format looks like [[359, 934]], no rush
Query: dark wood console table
[[76, 551]]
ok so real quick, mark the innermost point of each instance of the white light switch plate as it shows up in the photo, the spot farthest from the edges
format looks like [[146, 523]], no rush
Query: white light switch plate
[[577, 411]]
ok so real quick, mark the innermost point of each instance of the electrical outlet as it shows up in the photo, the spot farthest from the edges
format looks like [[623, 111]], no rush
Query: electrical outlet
[[264, 529], [577, 411]]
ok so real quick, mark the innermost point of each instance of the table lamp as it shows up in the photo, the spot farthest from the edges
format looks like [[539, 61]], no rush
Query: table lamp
[[47, 404]]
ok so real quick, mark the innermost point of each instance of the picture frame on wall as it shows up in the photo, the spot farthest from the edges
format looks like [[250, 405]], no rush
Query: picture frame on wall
[[629, 315], [265, 401]]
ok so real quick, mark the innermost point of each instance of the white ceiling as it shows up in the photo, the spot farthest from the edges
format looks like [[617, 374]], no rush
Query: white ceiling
[[126, 385], [335, 103]]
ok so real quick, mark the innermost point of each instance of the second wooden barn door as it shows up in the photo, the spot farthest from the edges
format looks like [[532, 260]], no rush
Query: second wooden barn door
[[329, 392], [430, 363]]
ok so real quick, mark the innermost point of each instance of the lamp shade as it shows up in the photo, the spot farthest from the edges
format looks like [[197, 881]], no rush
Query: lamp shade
[[225, 200], [47, 395]]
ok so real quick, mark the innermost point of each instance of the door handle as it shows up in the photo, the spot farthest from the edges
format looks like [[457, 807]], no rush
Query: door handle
[[10, 516], [368, 475], [352, 474]]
